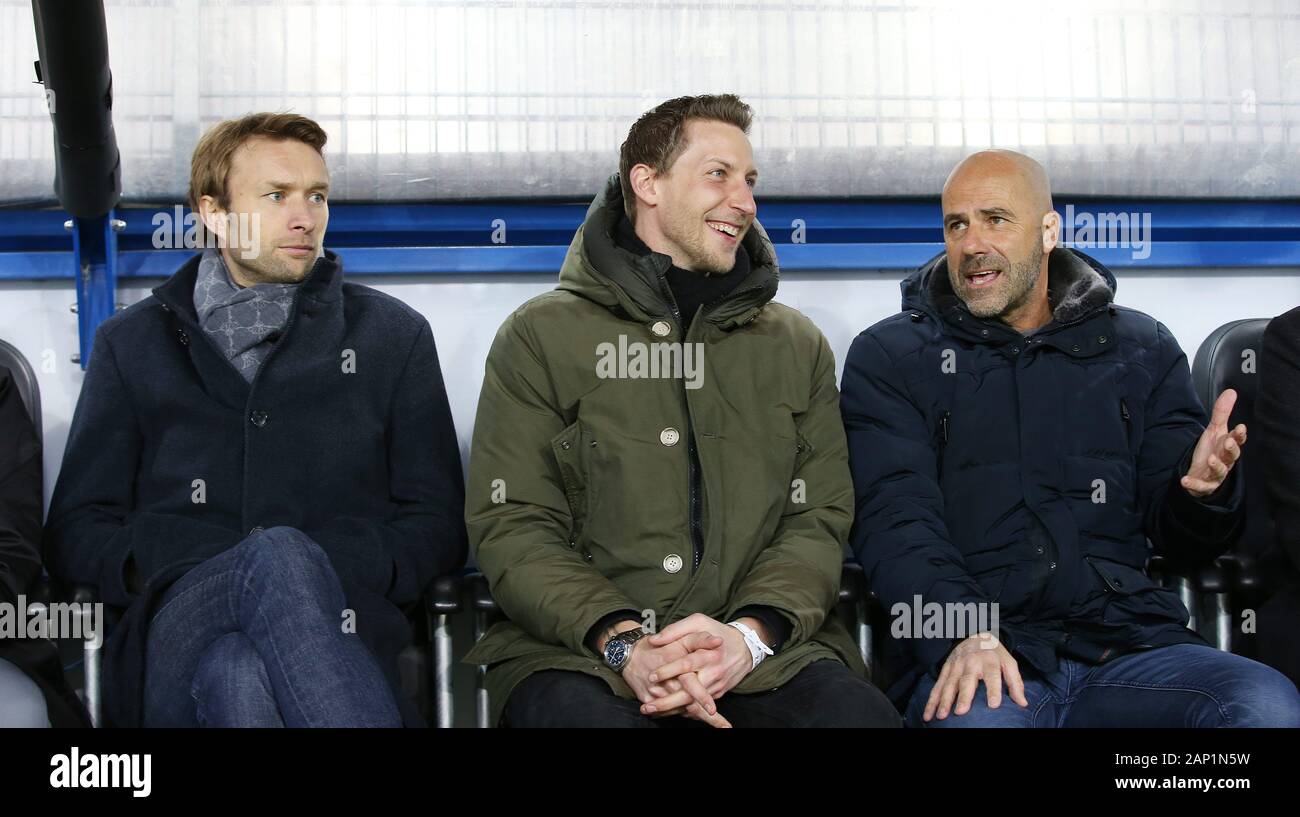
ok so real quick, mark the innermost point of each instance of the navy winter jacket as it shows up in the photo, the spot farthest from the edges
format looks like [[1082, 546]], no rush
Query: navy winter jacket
[[1030, 471]]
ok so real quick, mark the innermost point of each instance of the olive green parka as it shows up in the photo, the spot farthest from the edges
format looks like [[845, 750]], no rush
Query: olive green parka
[[586, 471]]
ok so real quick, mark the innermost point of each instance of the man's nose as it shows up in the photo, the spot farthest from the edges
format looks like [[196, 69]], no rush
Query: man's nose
[[973, 242], [742, 200], [302, 218]]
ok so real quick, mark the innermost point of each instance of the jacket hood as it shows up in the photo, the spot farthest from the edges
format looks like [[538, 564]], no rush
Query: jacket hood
[[1077, 285], [598, 269]]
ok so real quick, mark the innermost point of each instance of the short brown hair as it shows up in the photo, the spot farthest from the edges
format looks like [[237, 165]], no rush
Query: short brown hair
[[659, 136], [210, 165]]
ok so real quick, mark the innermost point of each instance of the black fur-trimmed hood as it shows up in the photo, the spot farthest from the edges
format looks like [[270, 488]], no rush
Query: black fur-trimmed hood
[[1077, 285]]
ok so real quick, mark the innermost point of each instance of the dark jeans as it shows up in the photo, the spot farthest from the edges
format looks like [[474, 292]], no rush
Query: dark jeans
[[823, 694], [254, 637], [1186, 685]]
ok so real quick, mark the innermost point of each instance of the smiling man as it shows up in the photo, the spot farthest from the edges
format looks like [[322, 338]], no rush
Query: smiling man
[[666, 552], [262, 465], [1015, 440]]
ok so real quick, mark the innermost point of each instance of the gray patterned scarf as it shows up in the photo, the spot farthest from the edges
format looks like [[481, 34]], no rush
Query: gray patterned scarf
[[244, 322]]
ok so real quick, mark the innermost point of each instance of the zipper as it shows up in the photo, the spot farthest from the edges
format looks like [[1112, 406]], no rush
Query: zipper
[[1128, 420], [693, 465], [942, 430]]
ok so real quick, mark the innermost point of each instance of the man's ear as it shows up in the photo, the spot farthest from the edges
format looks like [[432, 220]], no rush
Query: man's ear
[[215, 220], [644, 183], [1051, 231]]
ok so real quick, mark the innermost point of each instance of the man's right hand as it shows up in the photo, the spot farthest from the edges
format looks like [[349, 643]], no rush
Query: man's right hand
[[978, 658]]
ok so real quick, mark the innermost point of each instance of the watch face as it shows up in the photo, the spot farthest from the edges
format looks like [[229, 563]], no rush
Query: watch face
[[616, 652]]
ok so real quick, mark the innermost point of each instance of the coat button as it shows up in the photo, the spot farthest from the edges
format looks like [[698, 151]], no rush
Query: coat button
[[1038, 549], [984, 333], [182, 337], [1015, 350], [565, 445], [1074, 348], [1051, 566], [672, 563], [259, 418], [256, 530], [661, 328], [669, 436], [1101, 339]]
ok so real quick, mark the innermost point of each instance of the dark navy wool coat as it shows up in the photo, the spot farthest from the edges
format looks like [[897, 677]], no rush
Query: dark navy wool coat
[[345, 434]]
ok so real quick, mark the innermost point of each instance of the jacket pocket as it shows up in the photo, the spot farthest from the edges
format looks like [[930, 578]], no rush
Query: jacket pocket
[[1133, 595], [570, 448], [803, 451], [1120, 578]]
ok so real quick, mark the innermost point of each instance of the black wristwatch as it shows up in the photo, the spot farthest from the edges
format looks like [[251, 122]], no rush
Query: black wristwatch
[[618, 648]]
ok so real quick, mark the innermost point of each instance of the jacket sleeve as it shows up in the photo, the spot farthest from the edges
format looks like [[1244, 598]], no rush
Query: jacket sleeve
[[425, 536], [1187, 530], [1277, 444], [20, 495], [522, 542], [899, 534], [92, 529], [798, 573]]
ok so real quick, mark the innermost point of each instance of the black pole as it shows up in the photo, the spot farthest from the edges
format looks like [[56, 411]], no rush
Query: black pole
[[72, 42]]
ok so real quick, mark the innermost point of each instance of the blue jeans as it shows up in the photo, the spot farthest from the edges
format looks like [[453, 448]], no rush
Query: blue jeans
[[1185, 685], [22, 705], [255, 637]]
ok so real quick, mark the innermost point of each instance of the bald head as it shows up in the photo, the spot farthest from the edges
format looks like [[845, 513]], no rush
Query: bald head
[[999, 227], [1023, 177]]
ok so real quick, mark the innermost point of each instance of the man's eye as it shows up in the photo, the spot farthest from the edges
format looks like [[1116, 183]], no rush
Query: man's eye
[[319, 198], [275, 196], [719, 170], [996, 219]]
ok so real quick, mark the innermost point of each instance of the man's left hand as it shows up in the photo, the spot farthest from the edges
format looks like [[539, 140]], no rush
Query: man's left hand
[[1216, 451]]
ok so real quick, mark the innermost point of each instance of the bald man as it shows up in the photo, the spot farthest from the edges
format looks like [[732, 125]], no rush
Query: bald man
[[1015, 439]]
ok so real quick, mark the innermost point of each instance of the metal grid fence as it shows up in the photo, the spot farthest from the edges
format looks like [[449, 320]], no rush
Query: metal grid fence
[[531, 98]]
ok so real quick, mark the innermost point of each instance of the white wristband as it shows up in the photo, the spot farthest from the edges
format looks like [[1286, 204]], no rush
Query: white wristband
[[757, 649]]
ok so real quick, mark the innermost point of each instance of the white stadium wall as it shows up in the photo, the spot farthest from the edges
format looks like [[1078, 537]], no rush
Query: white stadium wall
[[466, 310]]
